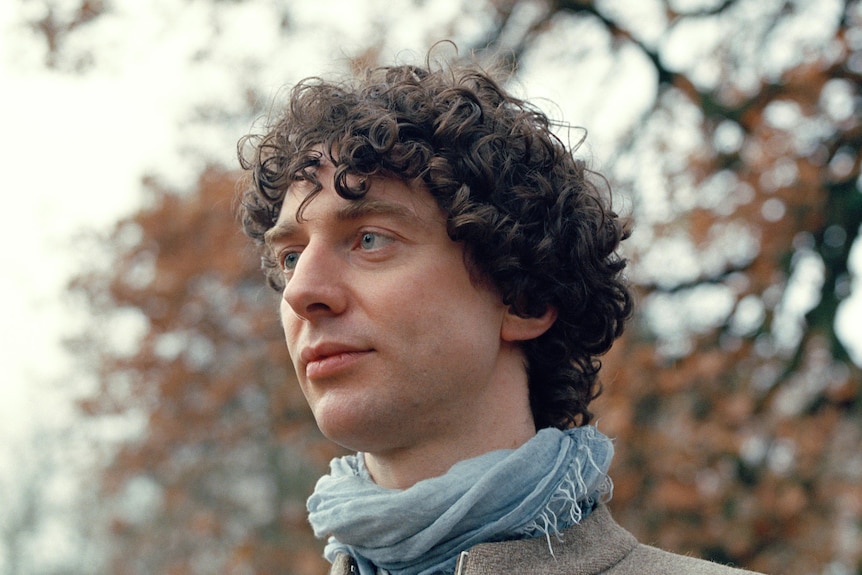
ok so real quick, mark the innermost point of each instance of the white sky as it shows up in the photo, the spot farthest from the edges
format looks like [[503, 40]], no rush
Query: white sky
[[74, 150], [72, 154], [61, 174], [72, 157]]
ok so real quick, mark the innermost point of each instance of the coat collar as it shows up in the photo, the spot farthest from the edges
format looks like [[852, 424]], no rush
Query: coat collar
[[592, 546], [344, 564]]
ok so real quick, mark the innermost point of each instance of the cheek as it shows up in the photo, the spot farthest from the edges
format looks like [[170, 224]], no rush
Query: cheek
[[448, 314], [284, 314], [290, 325]]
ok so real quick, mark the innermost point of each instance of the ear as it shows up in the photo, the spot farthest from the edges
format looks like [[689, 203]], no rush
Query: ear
[[517, 328]]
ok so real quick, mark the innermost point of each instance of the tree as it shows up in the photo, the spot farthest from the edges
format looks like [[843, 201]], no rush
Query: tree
[[735, 436], [218, 479], [39, 491], [735, 401]]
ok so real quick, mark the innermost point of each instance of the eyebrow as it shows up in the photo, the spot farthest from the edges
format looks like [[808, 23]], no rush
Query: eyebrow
[[352, 211]]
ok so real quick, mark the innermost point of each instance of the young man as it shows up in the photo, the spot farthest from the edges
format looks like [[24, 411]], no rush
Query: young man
[[449, 276]]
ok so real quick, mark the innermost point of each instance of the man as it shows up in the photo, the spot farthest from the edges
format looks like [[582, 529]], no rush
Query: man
[[450, 277]]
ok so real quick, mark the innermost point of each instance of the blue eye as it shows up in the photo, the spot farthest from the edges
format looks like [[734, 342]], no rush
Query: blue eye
[[370, 241], [289, 260]]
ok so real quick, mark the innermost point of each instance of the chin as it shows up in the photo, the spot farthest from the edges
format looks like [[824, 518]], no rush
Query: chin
[[365, 434], [346, 428]]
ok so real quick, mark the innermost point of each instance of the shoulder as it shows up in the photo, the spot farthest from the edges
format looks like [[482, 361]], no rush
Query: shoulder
[[646, 560], [596, 546]]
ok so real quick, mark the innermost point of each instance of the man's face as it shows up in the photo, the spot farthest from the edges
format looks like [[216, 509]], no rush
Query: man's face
[[393, 344]]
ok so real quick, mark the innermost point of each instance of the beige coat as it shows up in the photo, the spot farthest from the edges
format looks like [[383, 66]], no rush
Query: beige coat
[[596, 546]]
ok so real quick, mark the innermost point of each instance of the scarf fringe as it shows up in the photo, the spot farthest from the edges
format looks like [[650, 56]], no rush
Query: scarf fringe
[[565, 504], [548, 484]]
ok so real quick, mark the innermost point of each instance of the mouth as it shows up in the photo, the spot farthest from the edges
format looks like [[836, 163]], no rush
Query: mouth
[[328, 360]]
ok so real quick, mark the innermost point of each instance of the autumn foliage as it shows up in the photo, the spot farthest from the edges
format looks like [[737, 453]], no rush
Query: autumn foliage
[[229, 452], [737, 412]]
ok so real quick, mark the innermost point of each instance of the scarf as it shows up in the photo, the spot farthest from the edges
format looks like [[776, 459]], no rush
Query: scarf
[[548, 484]]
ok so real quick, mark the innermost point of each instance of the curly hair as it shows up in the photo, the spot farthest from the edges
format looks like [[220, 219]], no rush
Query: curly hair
[[532, 220]]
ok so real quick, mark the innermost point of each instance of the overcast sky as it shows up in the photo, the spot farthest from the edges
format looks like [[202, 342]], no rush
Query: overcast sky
[[74, 149]]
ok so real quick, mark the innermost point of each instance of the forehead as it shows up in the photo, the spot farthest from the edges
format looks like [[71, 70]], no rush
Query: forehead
[[406, 203], [301, 198], [391, 188]]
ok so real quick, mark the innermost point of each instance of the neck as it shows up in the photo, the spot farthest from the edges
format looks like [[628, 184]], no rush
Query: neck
[[403, 469], [500, 419]]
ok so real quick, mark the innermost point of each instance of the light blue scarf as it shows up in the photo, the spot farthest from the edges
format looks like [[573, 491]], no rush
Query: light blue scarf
[[548, 484]]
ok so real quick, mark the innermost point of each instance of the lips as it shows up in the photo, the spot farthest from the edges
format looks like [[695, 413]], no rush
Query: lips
[[329, 359]]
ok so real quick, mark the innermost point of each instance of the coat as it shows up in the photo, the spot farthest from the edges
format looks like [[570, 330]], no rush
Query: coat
[[596, 546]]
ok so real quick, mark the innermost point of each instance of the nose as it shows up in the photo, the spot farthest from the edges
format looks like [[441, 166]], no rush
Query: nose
[[315, 289]]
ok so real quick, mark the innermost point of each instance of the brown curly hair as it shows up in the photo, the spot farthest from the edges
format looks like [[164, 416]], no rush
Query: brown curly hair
[[530, 216]]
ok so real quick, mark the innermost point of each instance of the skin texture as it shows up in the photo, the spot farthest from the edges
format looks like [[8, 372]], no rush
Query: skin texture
[[400, 354], [535, 222]]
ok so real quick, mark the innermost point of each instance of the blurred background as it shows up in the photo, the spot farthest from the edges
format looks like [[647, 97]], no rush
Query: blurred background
[[149, 420]]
